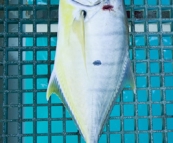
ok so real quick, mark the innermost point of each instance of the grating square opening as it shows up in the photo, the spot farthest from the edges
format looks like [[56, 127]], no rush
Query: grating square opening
[[153, 13], [156, 96], [41, 114], [138, 2], [29, 96], [42, 28], [27, 14], [43, 43], [139, 13], [168, 67], [29, 84], [1, 13], [141, 67], [1, 70], [139, 27], [141, 81], [155, 67], [167, 26], [129, 124], [13, 27], [41, 14], [168, 54], [12, 139], [128, 96], [40, 99], [154, 54], [26, 110], [152, 2], [57, 138], [13, 14], [12, 2], [27, 55], [27, 27], [170, 137], [1, 27], [13, 69], [168, 81], [143, 110], [13, 41], [142, 95], [144, 138], [42, 127], [153, 27], [115, 125], [53, 13], [157, 109], [166, 13], [158, 137], [28, 68], [12, 84], [129, 138], [116, 111], [12, 130], [143, 124], [27, 130], [128, 110], [165, 2], [167, 40], [116, 137], [1, 84]]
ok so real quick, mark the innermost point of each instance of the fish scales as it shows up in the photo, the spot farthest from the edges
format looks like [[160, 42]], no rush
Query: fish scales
[[92, 64]]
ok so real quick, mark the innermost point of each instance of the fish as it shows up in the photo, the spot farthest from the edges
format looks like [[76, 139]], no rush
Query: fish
[[92, 64]]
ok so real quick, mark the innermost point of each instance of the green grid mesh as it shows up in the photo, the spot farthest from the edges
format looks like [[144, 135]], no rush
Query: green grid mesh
[[144, 118]]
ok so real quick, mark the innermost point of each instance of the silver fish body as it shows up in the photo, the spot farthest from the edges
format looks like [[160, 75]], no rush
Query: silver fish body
[[90, 77]]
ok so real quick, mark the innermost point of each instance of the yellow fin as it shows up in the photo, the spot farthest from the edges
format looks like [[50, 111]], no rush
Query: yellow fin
[[79, 30], [53, 87], [129, 77]]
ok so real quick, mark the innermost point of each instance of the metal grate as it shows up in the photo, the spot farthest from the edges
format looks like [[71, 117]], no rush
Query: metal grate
[[27, 48]]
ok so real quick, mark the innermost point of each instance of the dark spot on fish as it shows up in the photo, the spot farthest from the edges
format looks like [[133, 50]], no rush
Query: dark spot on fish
[[84, 13], [97, 63], [107, 7]]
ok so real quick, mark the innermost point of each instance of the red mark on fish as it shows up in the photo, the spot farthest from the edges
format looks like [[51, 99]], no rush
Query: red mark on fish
[[108, 7]]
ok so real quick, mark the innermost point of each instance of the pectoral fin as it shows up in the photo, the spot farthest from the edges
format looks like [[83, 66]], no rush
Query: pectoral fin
[[79, 31], [129, 77]]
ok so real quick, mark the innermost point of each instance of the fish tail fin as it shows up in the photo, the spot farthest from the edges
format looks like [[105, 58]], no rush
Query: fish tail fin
[[53, 86], [129, 77]]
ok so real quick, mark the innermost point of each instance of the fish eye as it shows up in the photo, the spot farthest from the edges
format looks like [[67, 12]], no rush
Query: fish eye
[[84, 13]]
